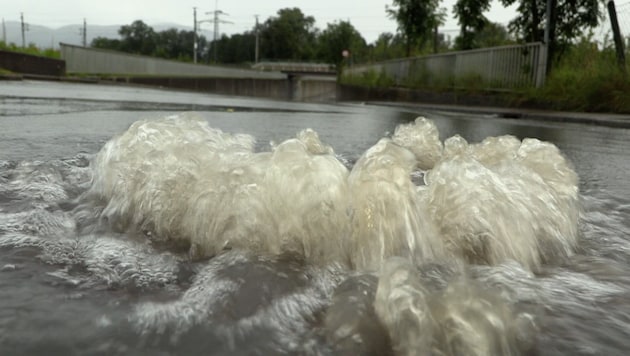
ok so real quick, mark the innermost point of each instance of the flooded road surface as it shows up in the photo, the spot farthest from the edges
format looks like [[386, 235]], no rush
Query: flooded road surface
[[220, 232]]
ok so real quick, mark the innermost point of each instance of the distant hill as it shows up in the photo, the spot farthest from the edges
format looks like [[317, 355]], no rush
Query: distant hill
[[46, 37]]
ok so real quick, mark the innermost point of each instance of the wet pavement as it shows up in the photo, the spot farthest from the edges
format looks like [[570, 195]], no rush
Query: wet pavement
[[109, 292]]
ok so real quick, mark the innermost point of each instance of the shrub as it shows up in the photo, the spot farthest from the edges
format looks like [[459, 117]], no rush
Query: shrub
[[32, 50], [586, 78], [370, 79]]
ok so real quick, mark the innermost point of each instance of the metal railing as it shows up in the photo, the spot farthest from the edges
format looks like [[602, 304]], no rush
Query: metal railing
[[505, 67]]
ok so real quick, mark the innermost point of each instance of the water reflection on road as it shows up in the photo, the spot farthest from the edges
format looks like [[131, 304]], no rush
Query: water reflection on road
[[83, 292], [42, 120]]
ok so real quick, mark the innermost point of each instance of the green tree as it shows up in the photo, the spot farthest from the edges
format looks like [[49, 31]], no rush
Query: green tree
[[493, 34], [416, 20], [289, 36], [177, 44], [237, 48], [106, 43], [387, 46], [469, 14], [336, 38], [443, 43], [572, 18], [138, 38], [167, 45]]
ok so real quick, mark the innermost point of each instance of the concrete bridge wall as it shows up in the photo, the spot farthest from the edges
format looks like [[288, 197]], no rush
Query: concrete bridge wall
[[29, 64], [315, 89], [261, 88], [213, 79], [99, 61]]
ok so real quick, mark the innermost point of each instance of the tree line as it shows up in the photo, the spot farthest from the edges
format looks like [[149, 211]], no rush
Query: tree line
[[569, 19], [291, 35], [140, 38]]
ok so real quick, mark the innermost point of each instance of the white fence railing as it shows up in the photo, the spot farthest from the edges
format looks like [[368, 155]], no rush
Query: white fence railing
[[504, 67]]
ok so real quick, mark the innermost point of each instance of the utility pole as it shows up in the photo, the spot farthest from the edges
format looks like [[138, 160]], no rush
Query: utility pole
[[216, 22], [550, 32], [436, 39], [24, 28], [4, 32], [83, 33], [618, 38], [257, 41], [195, 35], [197, 28]]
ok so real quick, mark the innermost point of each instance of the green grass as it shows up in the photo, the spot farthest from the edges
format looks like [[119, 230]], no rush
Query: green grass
[[585, 79], [370, 79], [32, 50]]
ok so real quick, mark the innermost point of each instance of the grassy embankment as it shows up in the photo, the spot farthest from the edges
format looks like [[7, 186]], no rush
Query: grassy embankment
[[31, 49], [585, 78]]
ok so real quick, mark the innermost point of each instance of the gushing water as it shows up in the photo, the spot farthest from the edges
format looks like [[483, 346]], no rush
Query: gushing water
[[294, 250], [180, 179]]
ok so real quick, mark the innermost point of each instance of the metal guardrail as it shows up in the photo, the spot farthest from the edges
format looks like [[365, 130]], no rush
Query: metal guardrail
[[505, 67]]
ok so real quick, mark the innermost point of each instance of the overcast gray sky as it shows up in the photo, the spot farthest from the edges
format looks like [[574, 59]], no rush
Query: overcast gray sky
[[368, 16]]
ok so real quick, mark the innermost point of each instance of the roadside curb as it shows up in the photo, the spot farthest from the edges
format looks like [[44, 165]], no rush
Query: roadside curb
[[601, 119], [60, 79], [10, 77], [49, 78], [591, 118]]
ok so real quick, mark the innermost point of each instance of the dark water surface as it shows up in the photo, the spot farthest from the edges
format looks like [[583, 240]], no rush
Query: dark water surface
[[106, 292]]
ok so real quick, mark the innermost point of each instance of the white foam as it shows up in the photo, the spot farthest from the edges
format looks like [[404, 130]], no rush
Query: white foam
[[423, 139], [181, 179], [401, 304], [503, 202], [388, 217], [489, 202], [458, 320], [502, 199]]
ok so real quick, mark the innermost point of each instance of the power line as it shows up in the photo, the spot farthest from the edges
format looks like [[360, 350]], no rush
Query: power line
[[257, 41], [24, 28], [83, 33], [196, 29], [216, 20], [194, 35]]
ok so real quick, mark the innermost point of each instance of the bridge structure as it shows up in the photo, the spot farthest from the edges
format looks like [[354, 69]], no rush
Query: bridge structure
[[301, 76], [287, 81]]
